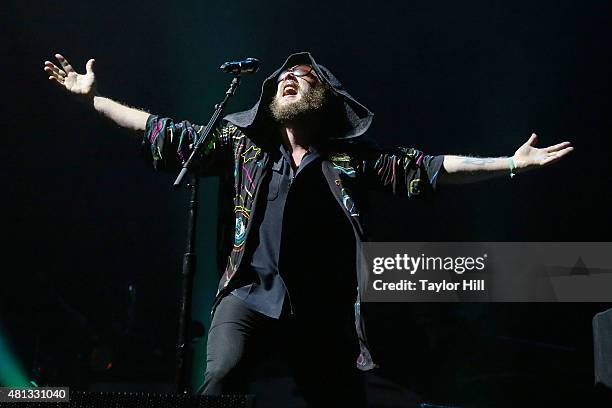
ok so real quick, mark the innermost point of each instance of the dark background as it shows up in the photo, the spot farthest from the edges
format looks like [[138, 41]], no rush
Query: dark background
[[84, 218]]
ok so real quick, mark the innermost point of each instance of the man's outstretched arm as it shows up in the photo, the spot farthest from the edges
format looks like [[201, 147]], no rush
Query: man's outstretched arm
[[461, 169], [83, 87]]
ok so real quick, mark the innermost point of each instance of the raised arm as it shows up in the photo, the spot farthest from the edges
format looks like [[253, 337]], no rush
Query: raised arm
[[83, 88], [462, 169]]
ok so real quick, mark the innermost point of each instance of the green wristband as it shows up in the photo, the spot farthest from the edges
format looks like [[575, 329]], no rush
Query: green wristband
[[512, 166]]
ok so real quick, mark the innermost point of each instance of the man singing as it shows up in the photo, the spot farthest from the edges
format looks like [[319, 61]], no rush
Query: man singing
[[297, 166]]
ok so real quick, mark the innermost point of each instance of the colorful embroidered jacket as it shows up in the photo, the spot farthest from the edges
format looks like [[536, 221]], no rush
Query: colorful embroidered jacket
[[232, 154]]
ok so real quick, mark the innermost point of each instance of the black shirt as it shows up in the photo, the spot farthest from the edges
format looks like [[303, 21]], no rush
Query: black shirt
[[267, 291]]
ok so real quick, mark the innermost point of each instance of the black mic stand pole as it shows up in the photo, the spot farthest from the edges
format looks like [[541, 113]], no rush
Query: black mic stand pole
[[189, 259]]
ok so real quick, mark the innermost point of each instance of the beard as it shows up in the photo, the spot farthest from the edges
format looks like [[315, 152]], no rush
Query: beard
[[311, 105]]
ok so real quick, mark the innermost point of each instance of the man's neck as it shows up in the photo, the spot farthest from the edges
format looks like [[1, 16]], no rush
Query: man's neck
[[296, 141]]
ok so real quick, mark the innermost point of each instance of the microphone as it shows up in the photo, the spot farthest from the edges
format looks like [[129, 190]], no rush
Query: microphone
[[247, 66]]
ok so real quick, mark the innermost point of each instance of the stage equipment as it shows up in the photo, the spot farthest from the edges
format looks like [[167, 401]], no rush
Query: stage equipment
[[189, 259], [247, 66]]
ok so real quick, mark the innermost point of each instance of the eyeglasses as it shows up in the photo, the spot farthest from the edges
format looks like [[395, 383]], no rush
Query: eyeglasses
[[298, 71]]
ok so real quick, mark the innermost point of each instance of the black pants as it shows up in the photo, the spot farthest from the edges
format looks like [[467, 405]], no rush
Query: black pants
[[321, 350]]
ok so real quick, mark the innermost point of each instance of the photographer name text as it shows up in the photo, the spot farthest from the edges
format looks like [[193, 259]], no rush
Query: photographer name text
[[471, 285]]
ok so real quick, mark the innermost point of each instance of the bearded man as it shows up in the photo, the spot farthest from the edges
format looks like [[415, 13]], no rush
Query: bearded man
[[297, 166]]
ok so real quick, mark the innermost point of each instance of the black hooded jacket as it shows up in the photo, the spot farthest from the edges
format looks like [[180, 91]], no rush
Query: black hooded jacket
[[239, 150], [258, 117]]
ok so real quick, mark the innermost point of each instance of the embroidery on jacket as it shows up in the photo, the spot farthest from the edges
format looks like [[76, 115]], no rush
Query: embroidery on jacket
[[342, 163], [389, 167], [251, 154], [349, 203], [242, 215]]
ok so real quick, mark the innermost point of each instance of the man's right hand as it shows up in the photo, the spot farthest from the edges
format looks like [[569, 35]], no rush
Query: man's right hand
[[82, 86]]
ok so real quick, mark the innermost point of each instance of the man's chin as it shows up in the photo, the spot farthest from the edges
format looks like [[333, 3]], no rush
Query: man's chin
[[291, 109]]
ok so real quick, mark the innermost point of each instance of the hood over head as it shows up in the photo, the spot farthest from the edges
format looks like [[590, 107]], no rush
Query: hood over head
[[357, 116]]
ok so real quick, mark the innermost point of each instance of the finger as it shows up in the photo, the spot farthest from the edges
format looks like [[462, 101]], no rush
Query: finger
[[50, 72], [55, 75], [60, 72], [89, 66], [56, 79], [556, 156], [557, 147], [560, 153], [49, 64], [565, 151], [54, 70], [64, 62], [533, 139]]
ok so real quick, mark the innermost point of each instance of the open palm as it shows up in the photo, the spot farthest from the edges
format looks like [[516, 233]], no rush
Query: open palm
[[82, 85], [528, 156]]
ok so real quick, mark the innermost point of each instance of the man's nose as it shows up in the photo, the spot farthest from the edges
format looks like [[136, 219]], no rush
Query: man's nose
[[286, 75]]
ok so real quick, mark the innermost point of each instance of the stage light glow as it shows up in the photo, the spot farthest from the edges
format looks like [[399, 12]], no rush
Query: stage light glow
[[12, 373]]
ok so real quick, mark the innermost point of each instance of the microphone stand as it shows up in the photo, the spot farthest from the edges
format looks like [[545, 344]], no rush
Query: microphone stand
[[189, 259]]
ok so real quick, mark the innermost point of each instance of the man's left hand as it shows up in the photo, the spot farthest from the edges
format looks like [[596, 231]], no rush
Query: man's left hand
[[528, 156]]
